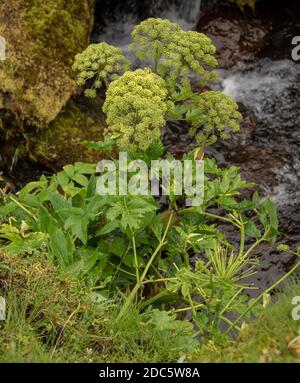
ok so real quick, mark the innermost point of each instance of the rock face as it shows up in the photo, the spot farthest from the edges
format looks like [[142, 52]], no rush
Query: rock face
[[237, 34], [42, 38], [80, 120], [45, 151]]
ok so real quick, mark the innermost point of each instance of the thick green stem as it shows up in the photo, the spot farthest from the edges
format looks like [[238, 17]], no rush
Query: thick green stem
[[140, 282], [135, 259], [186, 260], [192, 304], [226, 320], [242, 239], [24, 208], [159, 280], [188, 308], [251, 248], [222, 219], [160, 295]]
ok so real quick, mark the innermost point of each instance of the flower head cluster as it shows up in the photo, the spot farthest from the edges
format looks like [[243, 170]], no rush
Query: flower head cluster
[[98, 63], [135, 105], [191, 52], [175, 52], [151, 37], [219, 116]]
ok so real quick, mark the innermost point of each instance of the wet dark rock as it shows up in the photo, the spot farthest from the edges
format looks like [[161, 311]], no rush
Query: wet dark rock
[[29, 155], [176, 138], [237, 35], [285, 25]]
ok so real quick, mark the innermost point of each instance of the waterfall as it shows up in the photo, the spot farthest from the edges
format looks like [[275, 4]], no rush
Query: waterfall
[[192, 12], [119, 22], [270, 89], [185, 13]]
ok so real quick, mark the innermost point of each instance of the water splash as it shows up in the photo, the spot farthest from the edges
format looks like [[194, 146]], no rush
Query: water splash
[[287, 191], [268, 88]]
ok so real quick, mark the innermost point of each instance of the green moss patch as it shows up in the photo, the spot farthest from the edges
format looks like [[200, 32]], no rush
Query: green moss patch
[[42, 37]]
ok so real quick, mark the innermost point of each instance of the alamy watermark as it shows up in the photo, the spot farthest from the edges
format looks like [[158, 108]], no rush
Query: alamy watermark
[[2, 308], [296, 309], [163, 177], [2, 48], [296, 49]]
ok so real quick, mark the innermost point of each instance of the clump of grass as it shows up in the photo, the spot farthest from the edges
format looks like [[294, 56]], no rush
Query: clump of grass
[[54, 320], [274, 336]]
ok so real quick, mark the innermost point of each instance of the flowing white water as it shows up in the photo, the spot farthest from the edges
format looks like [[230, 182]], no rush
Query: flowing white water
[[270, 89], [287, 192], [266, 87], [185, 13]]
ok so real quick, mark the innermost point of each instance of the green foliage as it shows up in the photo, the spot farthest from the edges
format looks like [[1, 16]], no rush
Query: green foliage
[[128, 244], [136, 104], [272, 337], [50, 320], [98, 63], [113, 242], [20, 241]]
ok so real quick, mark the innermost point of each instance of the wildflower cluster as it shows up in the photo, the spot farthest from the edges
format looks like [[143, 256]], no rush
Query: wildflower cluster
[[174, 52], [138, 103], [151, 38], [135, 105], [191, 52], [218, 115], [98, 63]]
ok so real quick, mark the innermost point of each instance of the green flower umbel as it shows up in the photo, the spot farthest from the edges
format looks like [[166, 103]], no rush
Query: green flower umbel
[[98, 63], [218, 116], [135, 105], [151, 38], [175, 53], [191, 53]]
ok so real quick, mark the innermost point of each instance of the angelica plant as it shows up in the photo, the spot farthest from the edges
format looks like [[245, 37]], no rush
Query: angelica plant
[[136, 104], [98, 64], [190, 53], [174, 52], [139, 102], [216, 115], [151, 38]]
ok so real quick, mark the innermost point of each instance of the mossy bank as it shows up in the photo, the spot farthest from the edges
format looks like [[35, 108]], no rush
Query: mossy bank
[[42, 39]]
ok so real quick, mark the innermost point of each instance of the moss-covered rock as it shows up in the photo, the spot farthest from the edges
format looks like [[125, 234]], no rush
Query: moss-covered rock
[[42, 38], [60, 144]]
